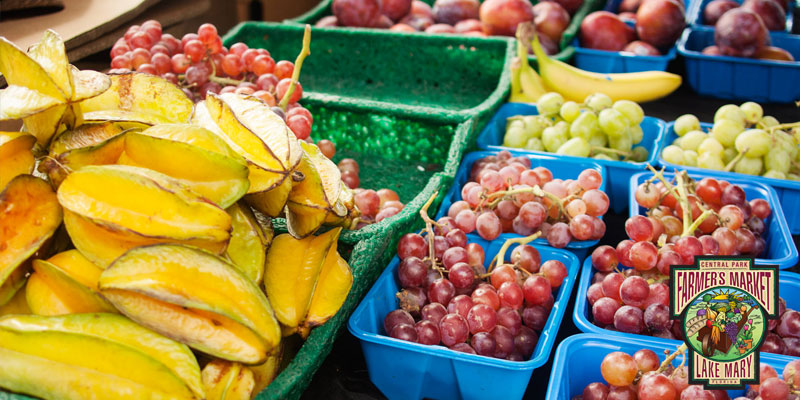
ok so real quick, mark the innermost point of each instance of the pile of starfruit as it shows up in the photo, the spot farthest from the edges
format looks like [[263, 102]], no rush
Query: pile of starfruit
[[137, 256]]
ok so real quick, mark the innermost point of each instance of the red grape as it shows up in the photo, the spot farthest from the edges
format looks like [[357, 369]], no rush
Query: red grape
[[618, 369], [536, 289], [481, 318], [634, 291], [433, 312], [486, 295], [397, 317], [453, 329]]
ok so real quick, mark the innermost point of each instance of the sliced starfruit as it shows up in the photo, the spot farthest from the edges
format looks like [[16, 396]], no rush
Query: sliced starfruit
[[58, 166], [43, 87], [314, 198], [82, 356], [220, 311], [143, 203], [139, 97], [17, 305], [292, 272], [260, 136], [16, 155], [215, 176], [29, 214], [249, 242], [333, 286], [226, 380], [65, 284]]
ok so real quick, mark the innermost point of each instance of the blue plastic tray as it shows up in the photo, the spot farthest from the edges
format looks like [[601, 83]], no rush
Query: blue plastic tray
[[613, 6], [577, 362], [619, 172], [562, 167], [781, 250], [788, 191], [694, 15], [740, 78], [788, 284], [404, 370]]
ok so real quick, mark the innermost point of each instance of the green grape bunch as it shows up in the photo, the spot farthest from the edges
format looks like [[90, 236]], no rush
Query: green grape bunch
[[742, 140], [597, 128]]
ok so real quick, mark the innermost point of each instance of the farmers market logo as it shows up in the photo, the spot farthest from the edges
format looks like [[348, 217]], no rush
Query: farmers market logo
[[725, 304]]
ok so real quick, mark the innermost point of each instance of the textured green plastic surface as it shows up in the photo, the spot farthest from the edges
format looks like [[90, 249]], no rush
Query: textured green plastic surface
[[443, 77], [393, 151], [323, 9]]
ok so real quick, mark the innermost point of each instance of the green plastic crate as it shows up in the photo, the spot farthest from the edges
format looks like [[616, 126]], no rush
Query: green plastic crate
[[393, 151], [323, 9], [444, 77]]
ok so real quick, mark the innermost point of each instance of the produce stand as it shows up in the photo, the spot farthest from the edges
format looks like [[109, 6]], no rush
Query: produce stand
[[313, 199]]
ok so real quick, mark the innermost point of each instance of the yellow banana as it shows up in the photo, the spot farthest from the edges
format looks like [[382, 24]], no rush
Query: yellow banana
[[526, 84], [576, 84]]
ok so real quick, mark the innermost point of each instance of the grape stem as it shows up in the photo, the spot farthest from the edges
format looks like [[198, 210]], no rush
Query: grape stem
[[501, 255], [735, 160], [298, 63], [429, 229], [668, 361], [681, 195]]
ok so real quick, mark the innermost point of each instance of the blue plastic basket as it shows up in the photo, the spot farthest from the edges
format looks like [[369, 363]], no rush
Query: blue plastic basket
[[781, 250], [577, 362], [561, 167], [619, 172], [405, 370], [788, 191], [613, 6], [788, 283], [694, 15], [740, 78]]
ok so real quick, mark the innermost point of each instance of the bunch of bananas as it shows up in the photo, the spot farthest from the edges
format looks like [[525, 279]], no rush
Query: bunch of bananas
[[576, 84], [146, 250]]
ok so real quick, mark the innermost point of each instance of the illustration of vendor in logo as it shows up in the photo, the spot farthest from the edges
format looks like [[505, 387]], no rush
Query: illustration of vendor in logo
[[725, 325]]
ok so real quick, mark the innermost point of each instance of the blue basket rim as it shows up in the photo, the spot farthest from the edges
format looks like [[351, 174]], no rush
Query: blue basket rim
[[670, 55], [694, 16], [455, 190], [682, 50], [652, 157], [777, 209], [537, 360]]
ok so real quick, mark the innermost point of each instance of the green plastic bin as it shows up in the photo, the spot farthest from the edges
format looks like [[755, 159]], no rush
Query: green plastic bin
[[323, 9], [443, 77]]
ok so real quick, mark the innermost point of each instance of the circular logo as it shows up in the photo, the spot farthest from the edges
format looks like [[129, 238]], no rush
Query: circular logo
[[724, 324]]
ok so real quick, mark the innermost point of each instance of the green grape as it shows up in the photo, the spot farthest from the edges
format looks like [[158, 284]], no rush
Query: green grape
[[550, 103], [729, 154], [726, 130], [534, 144], [577, 147], [584, 126], [710, 161], [515, 137], [631, 110], [553, 138], [778, 159], [563, 127], [639, 154], [605, 156], [692, 140], [636, 133], [731, 112], [752, 112], [598, 139], [623, 142], [768, 121], [785, 142], [535, 124], [690, 158], [774, 174], [710, 145], [673, 154], [597, 101], [685, 124], [515, 123], [570, 110], [793, 177], [753, 142], [612, 122], [749, 166]]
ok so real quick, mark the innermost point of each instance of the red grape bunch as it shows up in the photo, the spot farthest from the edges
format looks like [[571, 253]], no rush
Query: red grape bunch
[[505, 195], [643, 376], [199, 64], [784, 333], [450, 299], [721, 222], [772, 386]]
